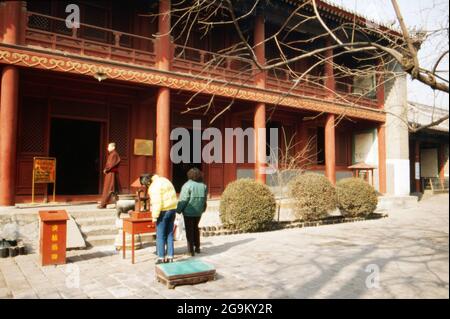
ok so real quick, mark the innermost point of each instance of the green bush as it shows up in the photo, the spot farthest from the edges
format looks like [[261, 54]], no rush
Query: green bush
[[356, 198], [313, 196], [247, 205]]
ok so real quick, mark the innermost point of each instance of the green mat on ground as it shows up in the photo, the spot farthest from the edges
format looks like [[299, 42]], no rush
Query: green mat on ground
[[185, 267]]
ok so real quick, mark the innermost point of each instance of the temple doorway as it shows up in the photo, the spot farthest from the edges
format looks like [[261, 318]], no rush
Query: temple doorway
[[76, 144], [179, 170]]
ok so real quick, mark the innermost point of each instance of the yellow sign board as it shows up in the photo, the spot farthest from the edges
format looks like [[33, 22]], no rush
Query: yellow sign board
[[44, 172], [44, 169], [143, 147]]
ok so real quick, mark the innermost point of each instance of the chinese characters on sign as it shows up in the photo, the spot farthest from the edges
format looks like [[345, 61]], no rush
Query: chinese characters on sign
[[54, 244], [53, 236], [44, 172]]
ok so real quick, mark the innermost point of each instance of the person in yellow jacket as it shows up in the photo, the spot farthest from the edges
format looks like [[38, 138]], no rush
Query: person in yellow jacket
[[163, 201]]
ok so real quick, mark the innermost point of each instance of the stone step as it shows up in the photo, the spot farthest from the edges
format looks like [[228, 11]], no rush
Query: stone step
[[96, 221], [94, 213], [396, 202], [109, 240], [95, 230], [101, 240]]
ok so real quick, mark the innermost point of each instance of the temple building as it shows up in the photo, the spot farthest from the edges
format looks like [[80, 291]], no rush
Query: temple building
[[428, 149], [66, 93]]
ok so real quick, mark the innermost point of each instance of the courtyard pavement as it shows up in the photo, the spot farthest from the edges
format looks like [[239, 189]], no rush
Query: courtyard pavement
[[403, 256]]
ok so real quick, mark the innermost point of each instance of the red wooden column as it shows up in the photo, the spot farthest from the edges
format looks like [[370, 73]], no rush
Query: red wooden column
[[442, 161], [330, 149], [381, 132], [330, 81], [418, 186], [163, 58], [330, 143], [2, 20], [9, 107], [12, 21], [380, 87], [259, 118]]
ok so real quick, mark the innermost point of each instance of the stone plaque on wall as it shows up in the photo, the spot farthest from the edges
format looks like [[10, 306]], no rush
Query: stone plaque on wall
[[364, 148]]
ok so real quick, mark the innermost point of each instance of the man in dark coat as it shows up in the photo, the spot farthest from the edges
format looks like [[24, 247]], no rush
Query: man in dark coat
[[111, 185]]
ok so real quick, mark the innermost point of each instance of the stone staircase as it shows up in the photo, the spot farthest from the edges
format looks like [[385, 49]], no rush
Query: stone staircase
[[97, 226]]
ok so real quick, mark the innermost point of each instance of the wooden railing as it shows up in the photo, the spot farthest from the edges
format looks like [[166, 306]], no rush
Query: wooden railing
[[52, 33], [282, 79], [212, 65]]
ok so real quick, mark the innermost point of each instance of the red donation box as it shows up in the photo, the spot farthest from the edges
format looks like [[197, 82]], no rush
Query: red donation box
[[53, 234]]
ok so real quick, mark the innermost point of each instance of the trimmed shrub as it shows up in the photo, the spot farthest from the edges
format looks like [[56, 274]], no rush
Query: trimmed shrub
[[247, 205], [356, 198], [314, 196]]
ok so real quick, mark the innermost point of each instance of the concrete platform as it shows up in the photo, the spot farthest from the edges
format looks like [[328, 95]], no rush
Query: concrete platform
[[396, 202]]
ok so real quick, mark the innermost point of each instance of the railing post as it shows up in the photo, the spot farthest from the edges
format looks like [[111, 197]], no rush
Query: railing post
[[202, 57], [228, 63], [117, 36]]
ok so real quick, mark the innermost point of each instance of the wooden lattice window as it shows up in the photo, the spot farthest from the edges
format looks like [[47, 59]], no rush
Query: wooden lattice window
[[95, 16], [33, 121], [39, 22], [118, 129]]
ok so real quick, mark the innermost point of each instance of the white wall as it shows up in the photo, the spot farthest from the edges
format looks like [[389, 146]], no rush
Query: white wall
[[397, 137], [366, 151]]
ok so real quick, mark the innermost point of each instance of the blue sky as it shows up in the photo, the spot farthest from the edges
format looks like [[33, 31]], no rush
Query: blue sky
[[428, 14]]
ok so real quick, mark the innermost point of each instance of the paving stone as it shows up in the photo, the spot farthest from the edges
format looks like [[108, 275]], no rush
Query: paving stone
[[120, 291], [409, 249], [24, 295], [54, 295], [5, 293]]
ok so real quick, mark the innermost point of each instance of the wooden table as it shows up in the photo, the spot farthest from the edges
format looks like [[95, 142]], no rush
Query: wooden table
[[359, 168], [135, 226]]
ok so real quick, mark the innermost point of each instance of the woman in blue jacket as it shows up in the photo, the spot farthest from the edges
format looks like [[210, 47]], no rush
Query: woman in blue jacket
[[192, 204]]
